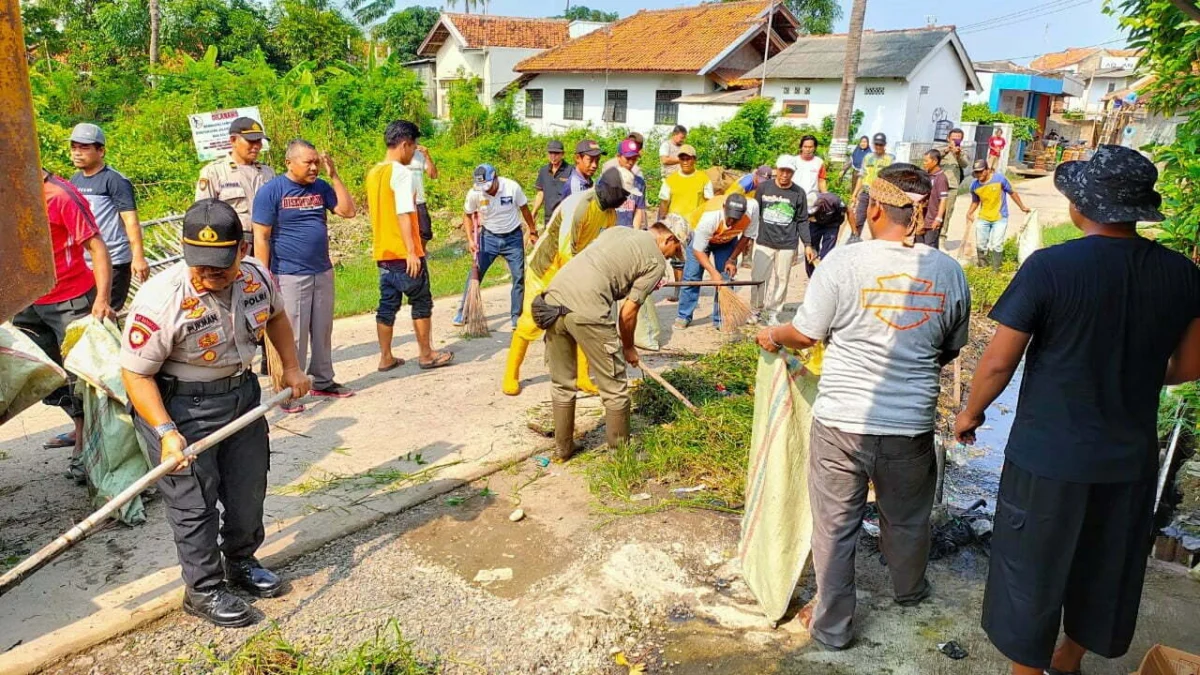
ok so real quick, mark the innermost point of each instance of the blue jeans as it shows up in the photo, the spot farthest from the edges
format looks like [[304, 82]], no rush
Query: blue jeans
[[689, 296], [512, 247], [989, 235]]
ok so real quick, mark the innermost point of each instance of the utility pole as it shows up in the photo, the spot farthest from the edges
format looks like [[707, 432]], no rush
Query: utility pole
[[762, 83], [841, 125]]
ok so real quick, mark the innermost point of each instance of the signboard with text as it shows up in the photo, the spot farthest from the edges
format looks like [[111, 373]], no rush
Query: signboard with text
[[210, 130]]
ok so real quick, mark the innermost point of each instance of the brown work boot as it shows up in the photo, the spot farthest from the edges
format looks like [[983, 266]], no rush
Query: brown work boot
[[564, 431]]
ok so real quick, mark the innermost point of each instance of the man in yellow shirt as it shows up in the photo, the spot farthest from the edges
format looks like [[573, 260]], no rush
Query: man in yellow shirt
[[576, 222], [683, 192], [399, 252]]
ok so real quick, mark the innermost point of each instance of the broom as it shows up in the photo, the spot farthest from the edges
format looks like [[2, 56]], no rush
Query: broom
[[734, 311], [474, 315], [274, 364]]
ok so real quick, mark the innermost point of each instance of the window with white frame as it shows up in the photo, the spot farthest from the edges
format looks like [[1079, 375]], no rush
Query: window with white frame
[[572, 104], [616, 104]]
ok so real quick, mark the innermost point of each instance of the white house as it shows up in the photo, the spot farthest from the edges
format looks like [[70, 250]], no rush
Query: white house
[[1103, 72], [487, 47], [632, 72], [908, 81]]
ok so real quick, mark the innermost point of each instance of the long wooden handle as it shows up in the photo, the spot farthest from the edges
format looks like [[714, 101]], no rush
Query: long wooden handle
[[84, 527], [667, 385], [684, 284]]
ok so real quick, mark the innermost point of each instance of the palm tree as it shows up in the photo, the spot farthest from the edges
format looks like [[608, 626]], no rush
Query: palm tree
[[154, 26], [367, 12], [841, 125]]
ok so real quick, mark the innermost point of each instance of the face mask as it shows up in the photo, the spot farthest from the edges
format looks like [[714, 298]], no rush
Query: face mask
[[610, 196]]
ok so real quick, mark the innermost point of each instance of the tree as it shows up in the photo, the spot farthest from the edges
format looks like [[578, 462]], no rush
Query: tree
[[155, 16], [841, 126], [404, 31], [311, 30], [468, 5], [816, 16], [581, 13]]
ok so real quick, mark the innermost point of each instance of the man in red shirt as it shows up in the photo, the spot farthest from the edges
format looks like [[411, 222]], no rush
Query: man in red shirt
[[78, 291], [996, 147]]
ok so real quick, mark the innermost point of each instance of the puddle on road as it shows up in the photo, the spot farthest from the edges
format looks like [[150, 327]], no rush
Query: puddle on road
[[979, 477], [701, 648]]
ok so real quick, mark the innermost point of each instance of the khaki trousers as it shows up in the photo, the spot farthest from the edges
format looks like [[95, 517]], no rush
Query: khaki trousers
[[602, 348], [774, 268]]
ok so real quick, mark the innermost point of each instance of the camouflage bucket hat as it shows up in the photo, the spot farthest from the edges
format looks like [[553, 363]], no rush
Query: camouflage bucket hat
[[1115, 186]]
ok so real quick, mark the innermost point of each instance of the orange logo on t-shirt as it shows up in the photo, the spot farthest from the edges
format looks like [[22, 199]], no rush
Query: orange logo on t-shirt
[[196, 312], [903, 301], [209, 356], [208, 340], [261, 316], [189, 303]]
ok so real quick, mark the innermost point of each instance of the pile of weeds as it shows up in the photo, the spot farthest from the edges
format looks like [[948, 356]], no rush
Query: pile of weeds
[[682, 448], [269, 653]]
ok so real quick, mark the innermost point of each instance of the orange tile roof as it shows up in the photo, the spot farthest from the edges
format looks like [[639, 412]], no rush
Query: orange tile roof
[[485, 30], [1062, 59], [680, 40]]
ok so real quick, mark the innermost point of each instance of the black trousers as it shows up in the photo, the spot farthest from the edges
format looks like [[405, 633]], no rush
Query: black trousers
[[46, 325], [233, 473], [1066, 552], [122, 276]]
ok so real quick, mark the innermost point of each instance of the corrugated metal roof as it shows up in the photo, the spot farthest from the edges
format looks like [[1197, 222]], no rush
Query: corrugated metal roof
[[885, 54]]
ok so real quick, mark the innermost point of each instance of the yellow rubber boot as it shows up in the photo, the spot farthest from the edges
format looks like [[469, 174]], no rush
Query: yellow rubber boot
[[583, 379], [511, 384]]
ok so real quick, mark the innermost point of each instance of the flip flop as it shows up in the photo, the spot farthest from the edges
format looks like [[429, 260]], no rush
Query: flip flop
[[440, 360], [60, 441], [395, 364]]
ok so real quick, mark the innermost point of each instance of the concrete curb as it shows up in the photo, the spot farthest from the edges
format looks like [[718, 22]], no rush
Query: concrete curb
[[108, 624]]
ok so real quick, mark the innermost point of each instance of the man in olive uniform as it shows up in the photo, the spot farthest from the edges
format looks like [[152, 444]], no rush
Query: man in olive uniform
[[185, 361], [954, 163], [236, 178], [576, 311]]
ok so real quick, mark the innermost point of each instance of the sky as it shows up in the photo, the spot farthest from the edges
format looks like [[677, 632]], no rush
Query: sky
[[1034, 27]]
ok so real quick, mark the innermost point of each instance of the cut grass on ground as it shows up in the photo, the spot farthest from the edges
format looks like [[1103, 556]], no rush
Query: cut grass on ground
[[269, 653], [356, 281], [682, 449]]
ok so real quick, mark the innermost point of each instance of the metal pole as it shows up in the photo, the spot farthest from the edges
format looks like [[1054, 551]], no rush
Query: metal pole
[[82, 529], [762, 84]]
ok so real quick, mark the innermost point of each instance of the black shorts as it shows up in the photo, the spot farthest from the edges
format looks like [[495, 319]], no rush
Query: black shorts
[[1069, 553], [46, 325], [395, 284], [424, 224], [122, 276]]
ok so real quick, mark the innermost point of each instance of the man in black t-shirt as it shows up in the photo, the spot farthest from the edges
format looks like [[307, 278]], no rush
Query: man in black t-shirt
[[1108, 320], [550, 180], [782, 215]]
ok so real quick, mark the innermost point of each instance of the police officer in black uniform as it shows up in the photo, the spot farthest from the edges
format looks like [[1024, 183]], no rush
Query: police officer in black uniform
[[189, 339]]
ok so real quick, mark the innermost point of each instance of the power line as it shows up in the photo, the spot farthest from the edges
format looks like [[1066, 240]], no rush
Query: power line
[[1035, 15], [1018, 13]]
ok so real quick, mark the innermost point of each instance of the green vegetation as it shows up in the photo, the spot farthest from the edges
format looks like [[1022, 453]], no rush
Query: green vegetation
[[1023, 127], [269, 653], [681, 448]]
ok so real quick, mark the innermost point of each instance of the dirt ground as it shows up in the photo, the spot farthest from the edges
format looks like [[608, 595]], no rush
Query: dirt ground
[[662, 589]]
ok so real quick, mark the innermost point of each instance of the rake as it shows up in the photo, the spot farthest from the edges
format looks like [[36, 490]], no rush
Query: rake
[[474, 314]]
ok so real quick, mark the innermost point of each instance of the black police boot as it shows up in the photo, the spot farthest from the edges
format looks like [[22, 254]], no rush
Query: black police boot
[[219, 607], [252, 577]]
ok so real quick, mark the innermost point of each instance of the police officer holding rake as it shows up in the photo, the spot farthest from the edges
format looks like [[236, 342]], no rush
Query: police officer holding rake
[[185, 360], [236, 178]]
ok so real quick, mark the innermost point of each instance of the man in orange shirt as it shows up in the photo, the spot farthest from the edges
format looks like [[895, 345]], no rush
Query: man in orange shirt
[[399, 252]]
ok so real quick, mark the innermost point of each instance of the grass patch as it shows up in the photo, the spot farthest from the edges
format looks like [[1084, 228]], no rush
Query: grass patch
[[381, 480], [269, 653], [1060, 233], [356, 280], [685, 449]]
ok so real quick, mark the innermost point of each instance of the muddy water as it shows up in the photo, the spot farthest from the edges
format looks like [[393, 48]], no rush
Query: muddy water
[[973, 472]]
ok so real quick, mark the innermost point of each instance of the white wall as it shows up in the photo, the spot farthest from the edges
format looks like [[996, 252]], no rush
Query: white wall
[[947, 82], [886, 112], [500, 62], [983, 96], [640, 88], [453, 63], [695, 114]]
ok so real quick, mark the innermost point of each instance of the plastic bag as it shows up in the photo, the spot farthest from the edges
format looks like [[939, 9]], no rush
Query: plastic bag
[[648, 334], [777, 522], [27, 375], [112, 455], [1030, 239]]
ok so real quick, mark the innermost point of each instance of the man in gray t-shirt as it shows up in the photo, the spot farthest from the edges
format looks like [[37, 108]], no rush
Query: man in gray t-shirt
[[891, 313]]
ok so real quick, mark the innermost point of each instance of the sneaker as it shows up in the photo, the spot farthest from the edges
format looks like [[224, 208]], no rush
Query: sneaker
[[680, 324], [458, 322], [334, 390], [753, 319], [292, 407]]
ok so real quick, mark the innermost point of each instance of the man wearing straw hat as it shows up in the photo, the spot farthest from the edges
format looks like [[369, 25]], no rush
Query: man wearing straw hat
[[891, 315], [185, 362]]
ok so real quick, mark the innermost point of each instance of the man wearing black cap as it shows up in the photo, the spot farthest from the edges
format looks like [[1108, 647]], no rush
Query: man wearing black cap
[[587, 160], [550, 181], [1108, 319], [236, 178], [725, 226], [185, 362], [872, 163]]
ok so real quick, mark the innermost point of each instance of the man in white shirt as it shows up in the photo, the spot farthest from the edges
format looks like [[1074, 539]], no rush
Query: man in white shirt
[[421, 166], [668, 151], [492, 218], [810, 172], [727, 225]]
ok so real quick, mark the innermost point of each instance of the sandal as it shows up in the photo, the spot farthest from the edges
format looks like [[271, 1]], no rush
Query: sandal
[[440, 360], [395, 364], [66, 440]]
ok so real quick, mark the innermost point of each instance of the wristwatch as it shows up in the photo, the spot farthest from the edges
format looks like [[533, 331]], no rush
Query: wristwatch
[[164, 429]]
